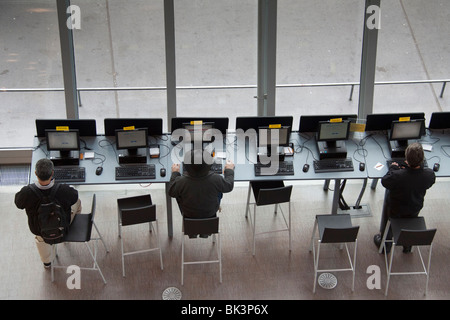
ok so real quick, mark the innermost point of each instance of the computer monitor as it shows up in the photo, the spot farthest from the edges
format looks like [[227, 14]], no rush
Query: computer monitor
[[401, 132], [331, 138], [63, 141], [198, 132], [131, 141], [267, 136]]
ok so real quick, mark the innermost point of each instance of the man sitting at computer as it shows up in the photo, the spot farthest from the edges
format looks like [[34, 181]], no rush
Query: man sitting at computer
[[199, 191], [405, 189]]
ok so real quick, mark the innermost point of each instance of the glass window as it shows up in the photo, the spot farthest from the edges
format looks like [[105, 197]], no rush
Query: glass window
[[30, 58], [216, 45], [412, 45], [121, 44], [318, 42]]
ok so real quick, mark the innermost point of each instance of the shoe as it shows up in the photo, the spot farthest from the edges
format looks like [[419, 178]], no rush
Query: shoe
[[204, 236], [377, 240], [47, 265]]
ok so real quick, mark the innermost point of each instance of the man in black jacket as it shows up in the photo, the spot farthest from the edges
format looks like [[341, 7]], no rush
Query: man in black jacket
[[199, 190], [66, 196], [405, 188]]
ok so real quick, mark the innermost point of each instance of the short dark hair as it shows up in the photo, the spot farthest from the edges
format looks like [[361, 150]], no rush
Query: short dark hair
[[195, 164], [414, 154], [44, 169]]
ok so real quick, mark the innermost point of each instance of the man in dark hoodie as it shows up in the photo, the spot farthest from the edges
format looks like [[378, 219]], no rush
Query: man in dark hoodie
[[405, 189], [198, 191]]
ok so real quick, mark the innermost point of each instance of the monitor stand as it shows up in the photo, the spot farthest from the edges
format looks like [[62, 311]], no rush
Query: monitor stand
[[65, 158], [132, 157], [332, 149], [398, 148]]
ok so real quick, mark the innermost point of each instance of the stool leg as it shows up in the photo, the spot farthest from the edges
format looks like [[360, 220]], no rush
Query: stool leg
[[254, 229], [248, 200]]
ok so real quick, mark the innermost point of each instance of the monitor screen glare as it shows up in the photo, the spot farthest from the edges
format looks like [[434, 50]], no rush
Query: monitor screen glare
[[267, 136], [406, 130], [62, 140], [131, 139], [333, 131]]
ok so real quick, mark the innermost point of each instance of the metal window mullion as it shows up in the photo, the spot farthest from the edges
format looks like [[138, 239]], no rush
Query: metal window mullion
[[68, 60]]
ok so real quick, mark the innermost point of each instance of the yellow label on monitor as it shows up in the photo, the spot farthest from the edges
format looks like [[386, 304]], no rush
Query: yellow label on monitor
[[404, 119], [197, 122], [357, 127], [336, 120], [274, 126], [62, 128], [128, 128]]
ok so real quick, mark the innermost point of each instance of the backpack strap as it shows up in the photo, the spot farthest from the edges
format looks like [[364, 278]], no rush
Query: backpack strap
[[54, 190], [36, 191]]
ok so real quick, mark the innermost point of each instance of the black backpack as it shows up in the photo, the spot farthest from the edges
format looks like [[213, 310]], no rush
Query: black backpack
[[50, 215]]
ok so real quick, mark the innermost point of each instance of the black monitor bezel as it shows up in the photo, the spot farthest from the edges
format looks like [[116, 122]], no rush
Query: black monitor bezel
[[120, 147], [421, 129], [320, 123], [50, 148], [289, 129]]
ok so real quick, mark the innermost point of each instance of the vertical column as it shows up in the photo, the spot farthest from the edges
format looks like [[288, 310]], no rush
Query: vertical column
[[169, 28], [369, 57], [68, 59], [267, 48]]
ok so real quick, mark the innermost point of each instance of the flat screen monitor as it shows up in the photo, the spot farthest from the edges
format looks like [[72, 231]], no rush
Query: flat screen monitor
[[267, 136], [440, 120], [86, 127], [131, 140], [199, 132], [333, 131], [402, 131], [154, 126], [331, 138], [63, 141]]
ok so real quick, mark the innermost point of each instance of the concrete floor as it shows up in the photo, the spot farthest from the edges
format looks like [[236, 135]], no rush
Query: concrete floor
[[121, 43]]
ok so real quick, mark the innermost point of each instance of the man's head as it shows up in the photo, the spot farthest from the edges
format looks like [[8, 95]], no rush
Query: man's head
[[44, 169], [195, 164], [414, 154]]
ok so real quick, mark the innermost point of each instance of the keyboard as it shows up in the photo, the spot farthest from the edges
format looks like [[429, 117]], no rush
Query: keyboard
[[70, 174], [333, 165], [285, 168], [215, 167], [141, 171], [401, 162]]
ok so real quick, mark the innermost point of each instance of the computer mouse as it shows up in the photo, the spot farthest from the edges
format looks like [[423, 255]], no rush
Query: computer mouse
[[162, 172], [436, 167], [362, 166], [99, 171], [305, 167]]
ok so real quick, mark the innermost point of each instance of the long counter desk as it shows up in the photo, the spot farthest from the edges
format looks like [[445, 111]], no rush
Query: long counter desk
[[240, 151]]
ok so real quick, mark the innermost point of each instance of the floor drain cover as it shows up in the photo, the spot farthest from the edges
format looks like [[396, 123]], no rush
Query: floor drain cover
[[171, 293], [327, 281]]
